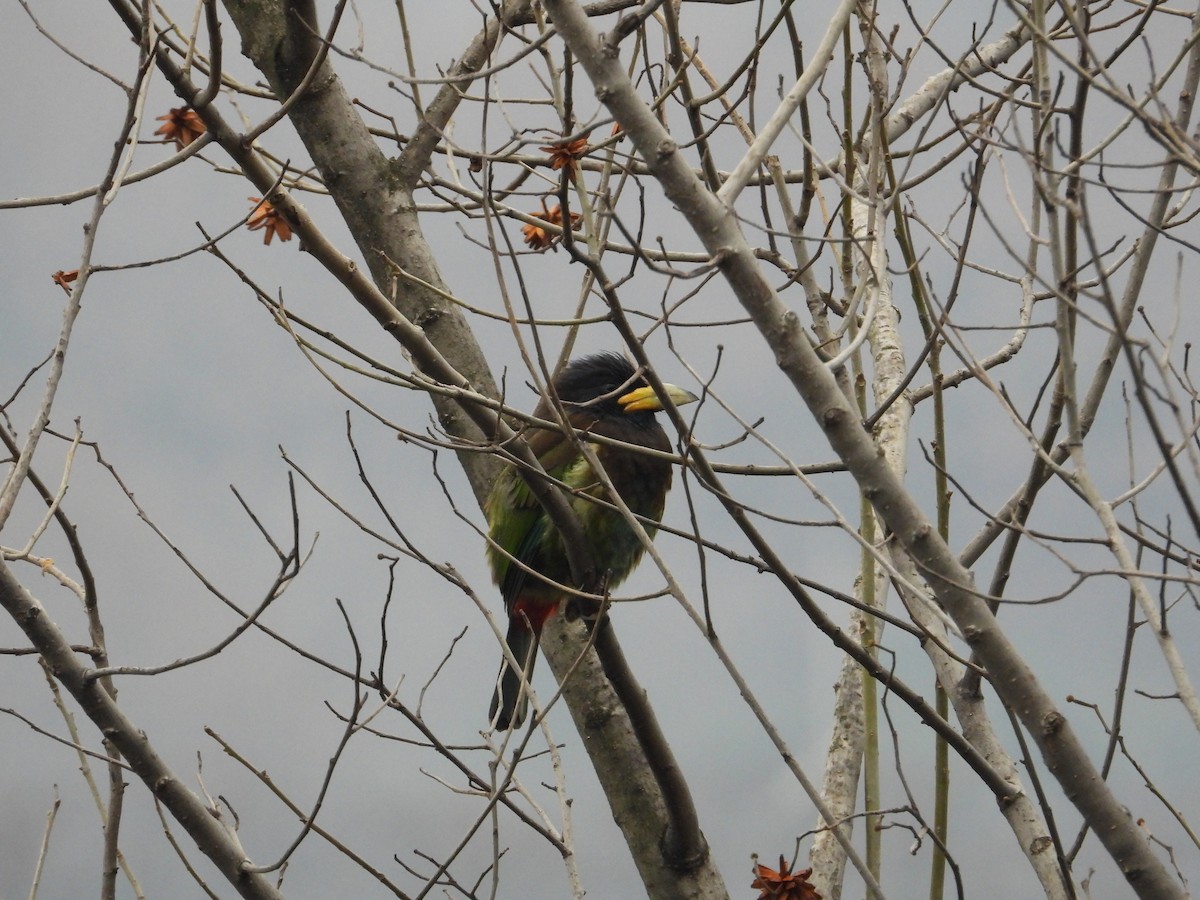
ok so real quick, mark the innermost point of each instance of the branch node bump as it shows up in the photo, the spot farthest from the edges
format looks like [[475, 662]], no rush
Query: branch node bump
[[1052, 722]]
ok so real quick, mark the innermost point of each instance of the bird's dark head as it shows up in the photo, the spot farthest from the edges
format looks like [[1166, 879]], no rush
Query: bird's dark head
[[609, 385]]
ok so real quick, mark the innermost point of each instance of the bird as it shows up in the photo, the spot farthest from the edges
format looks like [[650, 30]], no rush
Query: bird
[[605, 395]]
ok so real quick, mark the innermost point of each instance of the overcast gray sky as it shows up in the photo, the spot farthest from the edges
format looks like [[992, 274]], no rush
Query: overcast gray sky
[[188, 387]]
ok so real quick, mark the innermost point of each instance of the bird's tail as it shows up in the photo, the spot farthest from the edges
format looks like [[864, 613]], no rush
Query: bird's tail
[[510, 702]]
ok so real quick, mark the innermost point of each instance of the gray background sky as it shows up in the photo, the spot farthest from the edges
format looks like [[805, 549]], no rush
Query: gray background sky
[[189, 387]]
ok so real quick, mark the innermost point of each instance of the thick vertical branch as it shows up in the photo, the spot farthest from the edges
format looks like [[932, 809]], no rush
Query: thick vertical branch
[[843, 766], [881, 328]]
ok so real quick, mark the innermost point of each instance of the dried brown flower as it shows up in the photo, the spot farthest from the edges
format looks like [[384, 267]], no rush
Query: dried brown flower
[[538, 238], [783, 884], [564, 154], [182, 126], [267, 217], [64, 279]]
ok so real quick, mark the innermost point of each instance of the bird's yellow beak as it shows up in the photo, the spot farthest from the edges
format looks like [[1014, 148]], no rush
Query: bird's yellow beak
[[644, 398]]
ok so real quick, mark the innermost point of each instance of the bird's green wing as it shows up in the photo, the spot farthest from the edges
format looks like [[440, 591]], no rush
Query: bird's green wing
[[517, 524], [513, 525]]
